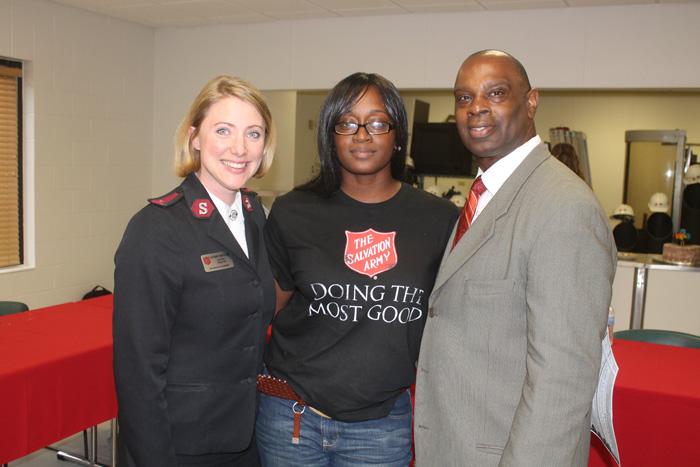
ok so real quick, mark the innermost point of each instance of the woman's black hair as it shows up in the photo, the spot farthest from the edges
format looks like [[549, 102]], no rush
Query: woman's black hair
[[340, 101]]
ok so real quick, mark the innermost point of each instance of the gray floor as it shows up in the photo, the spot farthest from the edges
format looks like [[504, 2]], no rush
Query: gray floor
[[73, 445]]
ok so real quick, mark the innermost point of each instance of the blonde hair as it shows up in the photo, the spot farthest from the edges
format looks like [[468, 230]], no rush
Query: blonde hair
[[187, 159]]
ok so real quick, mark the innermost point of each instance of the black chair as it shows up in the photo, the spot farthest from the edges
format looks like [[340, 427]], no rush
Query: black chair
[[660, 336], [690, 212], [626, 236], [659, 230], [9, 308]]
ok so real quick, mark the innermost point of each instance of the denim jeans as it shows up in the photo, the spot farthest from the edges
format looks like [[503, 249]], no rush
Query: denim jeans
[[325, 442], [247, 458]]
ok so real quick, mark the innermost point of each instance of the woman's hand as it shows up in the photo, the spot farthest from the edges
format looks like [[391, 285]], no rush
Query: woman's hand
[[282, 297]]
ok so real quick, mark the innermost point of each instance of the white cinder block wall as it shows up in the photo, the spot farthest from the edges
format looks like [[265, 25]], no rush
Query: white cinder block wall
[[92, 83], [628, 47], [109, 95]]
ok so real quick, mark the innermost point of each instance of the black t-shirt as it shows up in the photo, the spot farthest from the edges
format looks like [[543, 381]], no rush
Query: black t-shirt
[[348, 340]]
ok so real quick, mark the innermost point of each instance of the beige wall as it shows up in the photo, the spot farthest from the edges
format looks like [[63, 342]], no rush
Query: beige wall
[[88, 158], [306, 163], [281, 174], [641, 46], [632, 46], [108, 95], [603, 116]]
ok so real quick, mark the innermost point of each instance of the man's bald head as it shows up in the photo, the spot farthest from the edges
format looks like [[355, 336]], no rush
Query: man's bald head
[[495, 105], [499, 53]]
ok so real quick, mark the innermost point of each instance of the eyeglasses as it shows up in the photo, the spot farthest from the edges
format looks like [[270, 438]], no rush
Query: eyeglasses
[[376, 127]]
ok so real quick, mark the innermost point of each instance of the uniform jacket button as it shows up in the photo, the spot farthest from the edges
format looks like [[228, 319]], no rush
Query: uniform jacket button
[[431, 312]]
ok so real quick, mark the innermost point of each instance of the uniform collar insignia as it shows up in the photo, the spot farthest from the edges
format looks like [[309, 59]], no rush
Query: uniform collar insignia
[[247, 205]]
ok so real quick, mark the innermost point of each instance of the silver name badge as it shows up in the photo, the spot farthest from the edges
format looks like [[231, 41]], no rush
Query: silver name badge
[[216, 261]]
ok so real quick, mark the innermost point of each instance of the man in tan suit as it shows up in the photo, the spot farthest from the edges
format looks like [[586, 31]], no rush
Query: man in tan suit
[[511, 349]]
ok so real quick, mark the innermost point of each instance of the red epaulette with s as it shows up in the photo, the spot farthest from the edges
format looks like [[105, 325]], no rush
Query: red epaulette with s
[[168, 199]]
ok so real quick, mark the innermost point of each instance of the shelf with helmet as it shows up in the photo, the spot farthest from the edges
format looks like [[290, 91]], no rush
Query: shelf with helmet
[[662, 185]]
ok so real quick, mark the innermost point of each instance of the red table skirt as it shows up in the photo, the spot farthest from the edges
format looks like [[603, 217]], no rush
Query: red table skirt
[[656, 407], [55, 374], [56, 380]]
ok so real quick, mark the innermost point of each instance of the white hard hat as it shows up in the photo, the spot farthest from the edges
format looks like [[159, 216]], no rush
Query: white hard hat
[[458, 200], [692, 175], [433, 189], [623, 210], [658, 202]]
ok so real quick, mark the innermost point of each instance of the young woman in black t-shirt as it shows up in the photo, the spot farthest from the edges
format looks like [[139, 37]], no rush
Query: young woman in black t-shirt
[[355, 252]]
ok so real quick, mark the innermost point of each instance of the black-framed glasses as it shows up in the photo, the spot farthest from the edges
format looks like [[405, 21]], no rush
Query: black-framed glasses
[[376, 127]]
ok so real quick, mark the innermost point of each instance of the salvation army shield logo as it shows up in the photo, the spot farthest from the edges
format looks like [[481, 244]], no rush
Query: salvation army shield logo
[[370, 252]]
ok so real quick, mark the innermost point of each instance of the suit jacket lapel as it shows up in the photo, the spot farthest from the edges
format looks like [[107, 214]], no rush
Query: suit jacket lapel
[[214, 225], [480, 231], [485, 225], [252, 236], [219, 231]]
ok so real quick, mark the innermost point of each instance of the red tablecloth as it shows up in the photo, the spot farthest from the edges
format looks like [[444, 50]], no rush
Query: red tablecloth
[[55, 374], [56, 380], [656, 407]]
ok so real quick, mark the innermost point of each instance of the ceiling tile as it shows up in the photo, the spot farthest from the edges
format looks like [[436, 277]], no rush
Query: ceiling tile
[[200, 12], [292, 15], [521, 4], [378, 11], [275, 7], [578, 3], [247, 18], [101, 6], [422, 7], [355, 4], [409, 4]]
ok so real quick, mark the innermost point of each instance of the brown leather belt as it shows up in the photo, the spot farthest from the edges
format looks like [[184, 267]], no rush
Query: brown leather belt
[[271, 386]]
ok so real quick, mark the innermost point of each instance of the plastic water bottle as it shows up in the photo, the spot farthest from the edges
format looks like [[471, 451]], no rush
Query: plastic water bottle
[[611, 323]]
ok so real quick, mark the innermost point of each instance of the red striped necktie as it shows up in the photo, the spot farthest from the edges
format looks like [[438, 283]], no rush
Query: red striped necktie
[[465, 218]]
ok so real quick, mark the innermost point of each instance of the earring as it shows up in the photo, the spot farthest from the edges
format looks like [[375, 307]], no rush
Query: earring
[[397, 148]]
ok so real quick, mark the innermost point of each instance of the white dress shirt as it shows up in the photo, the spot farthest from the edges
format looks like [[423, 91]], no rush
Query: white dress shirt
[[496, 175], [234, 218]]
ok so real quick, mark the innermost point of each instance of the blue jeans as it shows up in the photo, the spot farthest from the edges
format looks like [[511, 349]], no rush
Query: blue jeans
[[325, 442]]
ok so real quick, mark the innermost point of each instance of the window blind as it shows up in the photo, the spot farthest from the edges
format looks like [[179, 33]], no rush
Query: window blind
[[10, 167]]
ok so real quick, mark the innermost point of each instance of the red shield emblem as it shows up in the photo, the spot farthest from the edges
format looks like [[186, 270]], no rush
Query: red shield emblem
[[370, 252], [202, 208]]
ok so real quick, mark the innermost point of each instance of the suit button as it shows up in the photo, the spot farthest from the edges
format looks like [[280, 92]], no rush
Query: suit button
[[255, 283], [431, 312], [250, 380]]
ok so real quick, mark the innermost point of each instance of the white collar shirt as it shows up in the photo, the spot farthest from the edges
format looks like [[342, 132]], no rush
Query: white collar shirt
[[234, 218], [496, 175]]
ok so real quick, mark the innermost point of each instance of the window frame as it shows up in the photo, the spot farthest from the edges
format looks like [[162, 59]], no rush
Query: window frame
[[25, 165]]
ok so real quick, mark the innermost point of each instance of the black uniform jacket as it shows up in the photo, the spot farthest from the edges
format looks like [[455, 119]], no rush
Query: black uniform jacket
[[188, 329]]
